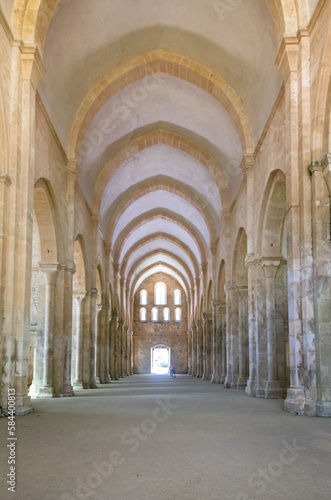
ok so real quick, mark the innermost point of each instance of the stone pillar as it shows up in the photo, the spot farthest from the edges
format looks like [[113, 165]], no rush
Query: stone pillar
[[93, 306], [252, 331], [86, 353], [207, 347], [194, 350], [223, 366], [242, 293], [120, 349], [131, 357], [97, 343], [102, 346], [217, 342], [228, 379], [189, 348], [50, 271], [79, 300], [106, 354], [26, 69], [321, 190], [126, 353], [234, 337], [69, 270], [200, 349], [287, 60], [113, 346], [270, 267]]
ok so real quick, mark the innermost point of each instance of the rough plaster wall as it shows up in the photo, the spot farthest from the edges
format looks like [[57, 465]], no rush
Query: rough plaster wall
[[172, 334]]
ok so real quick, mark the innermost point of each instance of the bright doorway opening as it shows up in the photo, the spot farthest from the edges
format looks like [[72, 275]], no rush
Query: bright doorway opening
[[160, 359]]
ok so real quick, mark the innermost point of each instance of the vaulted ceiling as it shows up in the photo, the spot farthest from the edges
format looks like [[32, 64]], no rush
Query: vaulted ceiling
[[159, 101]]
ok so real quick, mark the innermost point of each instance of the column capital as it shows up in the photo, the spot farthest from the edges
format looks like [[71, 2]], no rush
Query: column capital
[[287, 57], [248, 163], [228, 287], [5, 179], [216, 303], [270, 266], [33, 66], [241, 289], [250, 260], [50, 269], [315, 166]]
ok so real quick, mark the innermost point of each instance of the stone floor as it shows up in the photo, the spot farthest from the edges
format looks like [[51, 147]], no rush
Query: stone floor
[[147, 437]]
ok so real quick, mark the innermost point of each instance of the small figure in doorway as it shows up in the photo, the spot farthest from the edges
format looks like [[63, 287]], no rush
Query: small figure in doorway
[[172, 371]]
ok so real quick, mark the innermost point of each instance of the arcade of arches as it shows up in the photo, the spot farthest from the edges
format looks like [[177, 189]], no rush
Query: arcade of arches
[[150, 141]]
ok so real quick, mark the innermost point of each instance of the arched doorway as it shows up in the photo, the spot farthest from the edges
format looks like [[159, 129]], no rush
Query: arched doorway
[[160, 359]]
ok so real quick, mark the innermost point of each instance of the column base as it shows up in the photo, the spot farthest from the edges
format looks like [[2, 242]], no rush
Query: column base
[[250, 389], [242, 383], [227, 382], [213, 379], [273, 390], [23, 410], [295, 401], [108, 380], [97, 380], [78, 385], [323, 408], [68, 391], [46, 392], [92, 385], [205, 377]]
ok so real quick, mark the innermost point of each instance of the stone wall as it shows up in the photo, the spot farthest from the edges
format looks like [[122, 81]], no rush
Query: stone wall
[[148, 334]]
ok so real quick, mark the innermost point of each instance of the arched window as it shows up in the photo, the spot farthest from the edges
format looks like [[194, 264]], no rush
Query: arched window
[[160, 294], [155, 314], [143, 314], [177, 297], [178, 314], [166, 314], [143, 298]]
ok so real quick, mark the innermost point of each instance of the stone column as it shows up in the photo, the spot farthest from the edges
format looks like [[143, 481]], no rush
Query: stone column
[[127, 348], [273, 389], [234, 336], [194, 350], [69, 270], [26, 69], [242, 336], [228, 379], [97, 343], [287, 60], [120, 349], [131, 358], [321, 190], [217, 342], [79, 300], [102, 346], [106, 354], [189, 352], [252, 337], [93, 306], [113, 346], [200, 349], [50, 271], [223, 367], [86, 352], [207, 346]]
